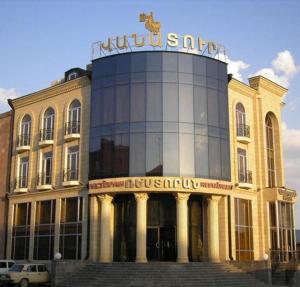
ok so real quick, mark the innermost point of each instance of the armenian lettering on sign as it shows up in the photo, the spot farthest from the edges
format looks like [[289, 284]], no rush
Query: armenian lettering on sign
[[158, 183], [154, 39]]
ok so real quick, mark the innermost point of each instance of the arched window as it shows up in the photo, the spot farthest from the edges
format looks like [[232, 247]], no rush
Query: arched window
[[47, 133], [241, 127], [73, 126], [24, 138], [270, 150]]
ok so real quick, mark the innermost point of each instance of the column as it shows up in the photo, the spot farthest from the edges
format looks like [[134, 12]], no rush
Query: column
[[94, 228], [213, 228], [10, 220], [141, 227], [85, 216], [182, 227], [32, 227], [57, 226], [105, 228]]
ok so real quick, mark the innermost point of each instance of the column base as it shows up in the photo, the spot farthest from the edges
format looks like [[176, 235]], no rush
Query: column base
[[105, 260], [182, 260], [141, 260], [215, 260]]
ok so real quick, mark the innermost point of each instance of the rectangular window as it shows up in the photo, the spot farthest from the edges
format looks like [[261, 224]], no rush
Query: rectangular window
[[286, 231], [23, 173], [21, 231], [46, 176], [72, 164], [243, 230], [242, 165], [71, 228], [44, 230]]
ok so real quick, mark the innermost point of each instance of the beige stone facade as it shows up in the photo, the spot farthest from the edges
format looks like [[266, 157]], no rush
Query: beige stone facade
[[27, 185]]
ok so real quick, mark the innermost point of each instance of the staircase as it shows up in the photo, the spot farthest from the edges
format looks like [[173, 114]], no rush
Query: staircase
[[165, 274]]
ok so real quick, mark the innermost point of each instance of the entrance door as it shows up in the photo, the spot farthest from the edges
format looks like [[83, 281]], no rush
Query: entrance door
[[153, 253], [161, 244], [167, 244]]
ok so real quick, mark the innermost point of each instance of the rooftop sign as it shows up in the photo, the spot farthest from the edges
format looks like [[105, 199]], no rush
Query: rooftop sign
[[154, 39]]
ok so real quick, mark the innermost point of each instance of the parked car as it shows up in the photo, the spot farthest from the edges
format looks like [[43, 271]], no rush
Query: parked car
[[25, 274], [5, 265]]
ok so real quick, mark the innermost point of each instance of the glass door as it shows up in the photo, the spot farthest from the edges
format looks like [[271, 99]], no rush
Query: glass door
[[153, 244]]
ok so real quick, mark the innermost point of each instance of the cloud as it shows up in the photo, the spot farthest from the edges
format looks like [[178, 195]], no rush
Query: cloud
[[234, 67], [6, 94], [282, 70], [291, 151]]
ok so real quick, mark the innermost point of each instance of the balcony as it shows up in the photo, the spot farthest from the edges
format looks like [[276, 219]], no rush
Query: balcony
[[21, 185], [23, 142], [46, 137], [72, 130], [44, 181], [70, 177], [243, 133], [245, 179]]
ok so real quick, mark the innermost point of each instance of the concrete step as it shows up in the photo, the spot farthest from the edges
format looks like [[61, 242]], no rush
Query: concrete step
[[159, 274]]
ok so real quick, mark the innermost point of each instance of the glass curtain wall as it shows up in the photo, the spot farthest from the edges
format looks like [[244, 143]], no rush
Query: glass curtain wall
[[159, 113], [21, 231]]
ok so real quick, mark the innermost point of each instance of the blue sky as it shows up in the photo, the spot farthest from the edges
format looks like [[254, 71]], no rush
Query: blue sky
[[39, 40]]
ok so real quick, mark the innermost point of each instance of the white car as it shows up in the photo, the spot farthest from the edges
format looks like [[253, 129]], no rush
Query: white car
[[25, 274], [5, 265]]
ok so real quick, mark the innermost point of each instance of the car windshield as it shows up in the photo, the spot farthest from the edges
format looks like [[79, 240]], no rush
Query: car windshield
[[17, 268]]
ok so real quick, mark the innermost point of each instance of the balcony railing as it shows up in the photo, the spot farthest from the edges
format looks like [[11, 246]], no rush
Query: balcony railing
[[44, 179], [46, 134], [72, 127], [243, 131], [70, 174], [245, 177], [23, 140], [21, 182]]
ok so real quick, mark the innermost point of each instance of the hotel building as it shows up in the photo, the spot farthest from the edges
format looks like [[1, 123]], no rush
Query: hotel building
[[150, 156]]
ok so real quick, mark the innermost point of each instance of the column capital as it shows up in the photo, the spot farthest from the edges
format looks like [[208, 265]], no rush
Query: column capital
[[181, 196], [141, 196], [214, 198], [105, 198]]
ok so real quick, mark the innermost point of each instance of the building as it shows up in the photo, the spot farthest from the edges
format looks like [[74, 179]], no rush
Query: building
[[48, 201], [152, 155], [5, 149]]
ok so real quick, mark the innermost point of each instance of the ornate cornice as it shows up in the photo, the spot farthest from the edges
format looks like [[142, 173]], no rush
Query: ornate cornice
[[260, 82], [241, 88], [51, 92]]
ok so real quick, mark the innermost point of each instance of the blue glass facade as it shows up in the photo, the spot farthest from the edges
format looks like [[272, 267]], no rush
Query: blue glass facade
[[159, 113]]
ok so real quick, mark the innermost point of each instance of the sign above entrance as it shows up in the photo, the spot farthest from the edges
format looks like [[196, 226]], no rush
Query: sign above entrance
[[158, 184], [135, 42]]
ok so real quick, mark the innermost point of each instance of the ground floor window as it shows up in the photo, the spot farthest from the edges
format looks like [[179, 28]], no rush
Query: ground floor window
[[44, 230], [71, 228], [21, 231], [124, 227], [282, 231], [243, 229]]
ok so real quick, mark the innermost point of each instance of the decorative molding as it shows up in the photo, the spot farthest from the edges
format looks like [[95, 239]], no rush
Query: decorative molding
[[105, 198], [241, 88], [260, 82], [141, 196], [51, 92], [182, 196]]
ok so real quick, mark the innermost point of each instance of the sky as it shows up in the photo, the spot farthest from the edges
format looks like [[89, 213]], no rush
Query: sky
[[40, 40]]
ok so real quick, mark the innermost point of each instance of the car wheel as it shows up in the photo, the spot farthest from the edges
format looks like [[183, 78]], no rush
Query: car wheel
[[24, 283]]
